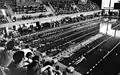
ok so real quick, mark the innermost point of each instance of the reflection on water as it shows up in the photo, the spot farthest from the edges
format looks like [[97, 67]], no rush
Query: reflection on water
[[108, 28]]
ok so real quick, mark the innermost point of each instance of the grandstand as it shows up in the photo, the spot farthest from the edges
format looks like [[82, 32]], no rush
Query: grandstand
[[55, 33], [3, 18], [36, 9]]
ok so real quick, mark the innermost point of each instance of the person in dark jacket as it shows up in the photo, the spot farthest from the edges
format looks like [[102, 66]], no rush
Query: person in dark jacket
[[34, 67], [17, 65]]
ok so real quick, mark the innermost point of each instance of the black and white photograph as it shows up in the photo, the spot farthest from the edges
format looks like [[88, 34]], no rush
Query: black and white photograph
[[59, 37]]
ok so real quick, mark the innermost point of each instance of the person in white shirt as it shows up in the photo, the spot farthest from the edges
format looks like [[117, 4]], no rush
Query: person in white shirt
[[26, 50]]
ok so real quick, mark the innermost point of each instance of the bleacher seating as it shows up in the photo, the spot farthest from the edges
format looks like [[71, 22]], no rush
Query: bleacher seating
[[30, 9], [30, 34], [58, 7], [63, 7], [89, 6], [2, 5], [47, 25], [37, 35], [94, 5], [3, 19]]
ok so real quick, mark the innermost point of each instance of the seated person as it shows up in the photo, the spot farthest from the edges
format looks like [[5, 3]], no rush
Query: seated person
[[36, 68], [26, 50], [28, 58], [48, 71], [57, 71], [64, 73], [16, 67], [48, 63]]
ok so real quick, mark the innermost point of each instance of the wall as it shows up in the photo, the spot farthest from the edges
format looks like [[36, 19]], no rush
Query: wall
[[105, 4]]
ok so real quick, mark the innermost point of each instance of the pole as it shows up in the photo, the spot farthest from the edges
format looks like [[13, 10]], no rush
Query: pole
[[109, 7]]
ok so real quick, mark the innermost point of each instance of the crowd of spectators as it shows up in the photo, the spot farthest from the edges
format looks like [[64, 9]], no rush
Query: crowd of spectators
[[38, 40], [3, 19], [69, 7], [23, 60], [32, 32], [18, 62], [59, 7], [30, 9], [30, 17], [94, 5], [17, 59], [64, 7], [23, 29], [88, 6]]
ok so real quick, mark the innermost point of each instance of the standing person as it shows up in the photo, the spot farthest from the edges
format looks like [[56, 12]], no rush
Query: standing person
[[10, 44], [7, 53], [17, 65], [6, 56]]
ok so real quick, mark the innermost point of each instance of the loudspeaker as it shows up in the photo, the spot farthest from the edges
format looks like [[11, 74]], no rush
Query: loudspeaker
[[116, 5]]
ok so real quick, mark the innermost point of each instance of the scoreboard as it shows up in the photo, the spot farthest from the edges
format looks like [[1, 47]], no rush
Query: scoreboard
[[117, 6]]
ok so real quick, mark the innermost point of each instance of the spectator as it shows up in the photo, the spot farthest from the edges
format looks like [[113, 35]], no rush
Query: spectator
[[10, 44], [5, 57], [3, 19], [34, 67], [26, 50], [20, 30], [57, 71], [49, 71], [16, 67], [29, 55], [64, 73], [28, 59]]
